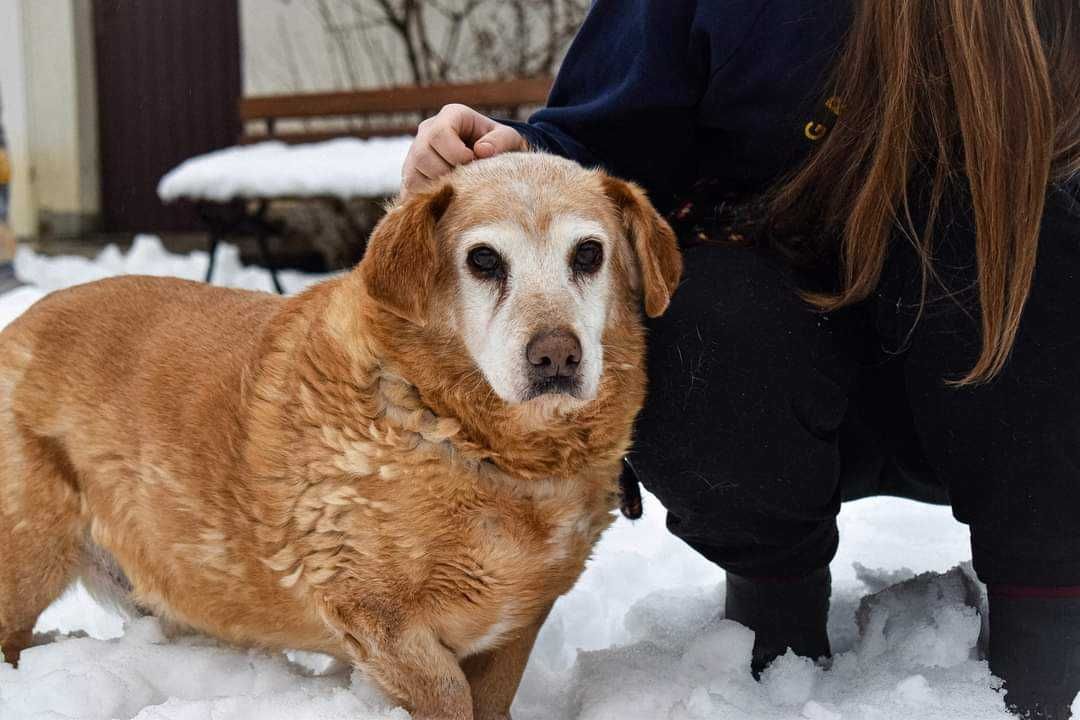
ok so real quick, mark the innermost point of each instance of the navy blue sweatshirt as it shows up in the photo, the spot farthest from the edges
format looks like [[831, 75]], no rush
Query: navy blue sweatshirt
[[668, 92]]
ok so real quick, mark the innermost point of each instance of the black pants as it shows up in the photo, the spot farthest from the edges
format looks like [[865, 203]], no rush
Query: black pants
[[764, 415]]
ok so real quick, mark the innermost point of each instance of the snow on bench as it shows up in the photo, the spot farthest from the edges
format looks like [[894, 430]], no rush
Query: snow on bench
[[343, 168]]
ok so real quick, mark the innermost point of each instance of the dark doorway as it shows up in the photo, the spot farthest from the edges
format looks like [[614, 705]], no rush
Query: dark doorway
[[168, 82]]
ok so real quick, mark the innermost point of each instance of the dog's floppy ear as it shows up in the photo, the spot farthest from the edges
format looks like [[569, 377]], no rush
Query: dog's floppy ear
[[653, 241], [400, 262]]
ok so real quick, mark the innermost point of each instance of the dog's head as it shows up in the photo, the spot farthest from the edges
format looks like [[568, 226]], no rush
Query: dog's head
[[528, 260]]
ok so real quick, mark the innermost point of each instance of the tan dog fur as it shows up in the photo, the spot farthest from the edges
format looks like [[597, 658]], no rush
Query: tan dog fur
[[329, 471]]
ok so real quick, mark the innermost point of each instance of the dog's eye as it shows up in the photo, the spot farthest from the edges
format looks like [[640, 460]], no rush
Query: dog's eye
[[588, 256], [485, 262]]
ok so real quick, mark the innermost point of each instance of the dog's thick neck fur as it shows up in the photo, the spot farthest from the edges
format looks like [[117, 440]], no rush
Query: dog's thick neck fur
[[386, 375]]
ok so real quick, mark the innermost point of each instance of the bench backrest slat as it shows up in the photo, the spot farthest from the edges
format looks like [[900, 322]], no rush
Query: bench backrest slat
[[295, 137], [405, 99]]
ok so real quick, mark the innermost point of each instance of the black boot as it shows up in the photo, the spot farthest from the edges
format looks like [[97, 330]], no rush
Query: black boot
[[784, 613], [1035, 649]]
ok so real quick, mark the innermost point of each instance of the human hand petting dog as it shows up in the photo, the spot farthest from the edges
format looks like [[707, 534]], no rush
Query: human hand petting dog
[[457, 135]]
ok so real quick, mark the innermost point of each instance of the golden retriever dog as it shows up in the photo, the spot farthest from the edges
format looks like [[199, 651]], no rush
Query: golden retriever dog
[[403, 466]]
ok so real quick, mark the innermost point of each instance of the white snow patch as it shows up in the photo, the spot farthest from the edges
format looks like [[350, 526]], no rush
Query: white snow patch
[[915, 691], [639, 638], [342, 168], [141, 675], [817, 711], [790, 679], [929, 621], [722, 650], [147, 256]]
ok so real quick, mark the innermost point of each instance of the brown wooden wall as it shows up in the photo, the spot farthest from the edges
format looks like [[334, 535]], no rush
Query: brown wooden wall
[[168, 81]]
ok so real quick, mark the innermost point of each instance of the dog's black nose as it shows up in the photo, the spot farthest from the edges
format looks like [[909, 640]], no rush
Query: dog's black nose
[[554, 354]]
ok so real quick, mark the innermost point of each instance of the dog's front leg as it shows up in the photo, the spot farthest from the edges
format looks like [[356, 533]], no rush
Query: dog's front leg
[[419, 672], [495, 675], [407, 660]]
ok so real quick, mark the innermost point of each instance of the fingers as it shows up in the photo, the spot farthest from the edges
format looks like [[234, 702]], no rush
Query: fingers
[[438, 148], [502, 138], [432, 165], [412, 180], [446, 141], [456, 136]]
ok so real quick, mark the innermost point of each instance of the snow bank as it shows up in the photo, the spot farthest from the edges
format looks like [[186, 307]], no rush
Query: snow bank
[[343, 168], [916, 659], [147, 256], [639, 638], [672, 657], [143, 675]]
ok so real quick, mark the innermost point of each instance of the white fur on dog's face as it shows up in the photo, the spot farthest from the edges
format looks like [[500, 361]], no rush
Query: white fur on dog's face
[[540, 293]]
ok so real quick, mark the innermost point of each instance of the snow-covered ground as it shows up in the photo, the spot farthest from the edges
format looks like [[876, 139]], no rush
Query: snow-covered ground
[[639, 638]]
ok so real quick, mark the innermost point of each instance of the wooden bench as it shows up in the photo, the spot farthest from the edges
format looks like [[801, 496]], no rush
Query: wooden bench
[[318, 117], [380, 111]]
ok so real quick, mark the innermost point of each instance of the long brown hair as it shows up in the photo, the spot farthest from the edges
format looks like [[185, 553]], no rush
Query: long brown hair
[[984, 94]]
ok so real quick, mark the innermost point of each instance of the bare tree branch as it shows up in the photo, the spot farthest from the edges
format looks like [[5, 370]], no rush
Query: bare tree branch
[[426, 41]]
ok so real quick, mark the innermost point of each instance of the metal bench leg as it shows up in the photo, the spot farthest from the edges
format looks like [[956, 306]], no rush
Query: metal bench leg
[[215, 240], [268, 262]]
